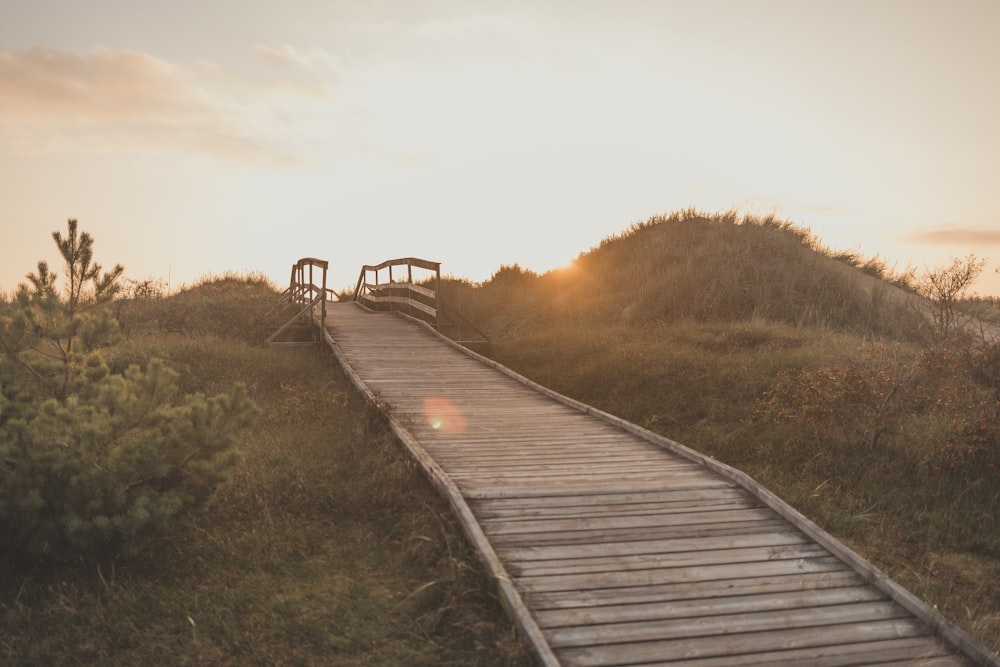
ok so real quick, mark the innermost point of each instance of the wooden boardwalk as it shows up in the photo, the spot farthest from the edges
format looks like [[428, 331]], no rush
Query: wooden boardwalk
[[613, 546]]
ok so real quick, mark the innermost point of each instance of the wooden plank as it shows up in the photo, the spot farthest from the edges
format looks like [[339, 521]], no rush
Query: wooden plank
[[675, 575], [528, 459], [528, 466], [668, 559], [617, 480], [504, 527], [671, 497], [713, 606], [618, 516], [612, 509], [914, 651], [845, 619], [642, 533], [674, 592], [739, 644], [486, 490], [724, 541]]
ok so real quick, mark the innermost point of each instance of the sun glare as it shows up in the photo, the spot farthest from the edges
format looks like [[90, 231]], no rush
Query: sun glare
[[443, 415]]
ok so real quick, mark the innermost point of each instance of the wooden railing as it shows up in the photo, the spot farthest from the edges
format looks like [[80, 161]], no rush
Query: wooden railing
[[400, 291], [303, 291]]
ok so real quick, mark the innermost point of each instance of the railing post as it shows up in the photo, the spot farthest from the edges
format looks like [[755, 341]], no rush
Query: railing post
[[322, 307]]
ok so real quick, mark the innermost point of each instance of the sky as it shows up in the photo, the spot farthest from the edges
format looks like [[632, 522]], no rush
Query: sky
[[195, 138]]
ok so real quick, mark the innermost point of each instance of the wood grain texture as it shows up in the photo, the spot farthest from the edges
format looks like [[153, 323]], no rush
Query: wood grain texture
[[614, 546]]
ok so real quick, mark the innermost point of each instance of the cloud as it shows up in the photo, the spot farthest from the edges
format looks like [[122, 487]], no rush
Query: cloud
[[116, 99], [955, 235], [103, 86], [313, 59]]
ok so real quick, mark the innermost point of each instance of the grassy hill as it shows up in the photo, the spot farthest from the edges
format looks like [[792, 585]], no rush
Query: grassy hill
[[818, 373], [692, 267]]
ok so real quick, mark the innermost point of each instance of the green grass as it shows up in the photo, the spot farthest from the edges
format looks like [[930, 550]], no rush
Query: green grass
[[329, 547]]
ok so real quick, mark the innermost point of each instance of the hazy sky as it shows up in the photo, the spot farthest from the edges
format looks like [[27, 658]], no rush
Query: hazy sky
[[193, 138]]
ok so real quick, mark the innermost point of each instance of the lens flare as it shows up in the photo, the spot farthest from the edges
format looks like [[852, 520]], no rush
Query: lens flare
[[443, 415]]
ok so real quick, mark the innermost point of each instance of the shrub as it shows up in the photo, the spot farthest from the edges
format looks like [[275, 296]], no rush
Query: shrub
[[92, 461], [946, 288], [869, 399], [967, 396], [96, 474], [853, 406]]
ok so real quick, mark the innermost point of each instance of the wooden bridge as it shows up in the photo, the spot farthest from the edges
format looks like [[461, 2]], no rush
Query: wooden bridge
[[609, 544]]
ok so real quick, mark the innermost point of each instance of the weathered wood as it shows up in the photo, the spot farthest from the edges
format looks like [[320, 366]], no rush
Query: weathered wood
[[295, 318], [836, 617], [673, 593], [714, 606], [670, 559], [378, 292], [401, 300], [612, 545], [640, 533], [865, 638], [674, 575], [722, 542]]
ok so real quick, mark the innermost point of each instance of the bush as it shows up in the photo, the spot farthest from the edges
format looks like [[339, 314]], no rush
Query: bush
[[94, 475], [93, 461], [849, 406], [868, 401], [968, 398]]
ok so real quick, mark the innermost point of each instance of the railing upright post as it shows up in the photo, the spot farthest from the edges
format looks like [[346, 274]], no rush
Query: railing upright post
[[310, 297], [322, 308], [302, 280]]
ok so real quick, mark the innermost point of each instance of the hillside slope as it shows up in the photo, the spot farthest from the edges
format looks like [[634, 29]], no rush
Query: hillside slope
[[719, 268]]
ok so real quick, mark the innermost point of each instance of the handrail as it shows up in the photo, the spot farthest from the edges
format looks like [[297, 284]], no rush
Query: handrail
[[416, 299], [303, 290]]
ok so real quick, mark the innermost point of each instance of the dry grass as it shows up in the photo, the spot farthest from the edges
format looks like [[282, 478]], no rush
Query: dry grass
[[328, 548]]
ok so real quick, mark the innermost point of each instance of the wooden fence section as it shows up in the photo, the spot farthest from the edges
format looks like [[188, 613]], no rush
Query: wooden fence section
[[613, 546], [399, 293], [303, 292]]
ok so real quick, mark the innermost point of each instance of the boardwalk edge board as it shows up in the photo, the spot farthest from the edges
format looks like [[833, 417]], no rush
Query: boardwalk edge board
[[937, 623]]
